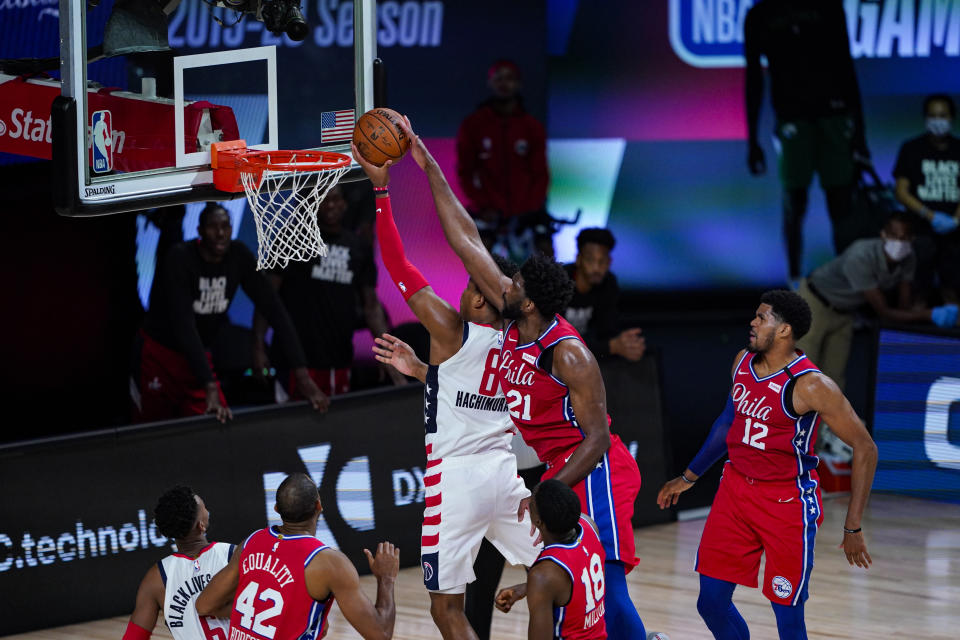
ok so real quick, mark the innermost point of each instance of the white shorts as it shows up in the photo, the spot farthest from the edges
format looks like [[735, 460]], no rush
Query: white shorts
[[470, 498]]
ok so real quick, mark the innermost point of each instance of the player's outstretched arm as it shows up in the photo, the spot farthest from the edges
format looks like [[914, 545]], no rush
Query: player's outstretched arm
[[216, 599], [458, 227], [575, 366], [149, 602], [547, 587], [331, 571], [817, 392], [441, 320]]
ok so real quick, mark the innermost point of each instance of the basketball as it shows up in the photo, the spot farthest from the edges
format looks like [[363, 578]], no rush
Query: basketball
[[378, 136]]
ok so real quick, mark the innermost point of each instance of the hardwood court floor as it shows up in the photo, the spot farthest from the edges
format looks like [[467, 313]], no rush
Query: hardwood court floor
[[911, 591]]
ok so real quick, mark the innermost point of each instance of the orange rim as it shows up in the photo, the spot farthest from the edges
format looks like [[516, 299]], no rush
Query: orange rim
[[258, 161]]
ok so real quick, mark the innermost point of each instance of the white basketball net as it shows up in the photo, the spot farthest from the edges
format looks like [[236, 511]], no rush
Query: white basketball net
[[284, 207]]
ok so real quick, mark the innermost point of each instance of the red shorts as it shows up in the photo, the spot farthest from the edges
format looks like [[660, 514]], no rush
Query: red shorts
[[168, 389], [607, 495], [752, 517], [333, 382]]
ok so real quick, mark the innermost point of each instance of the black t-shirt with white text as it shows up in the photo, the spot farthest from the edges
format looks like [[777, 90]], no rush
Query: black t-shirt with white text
[[190, 298], [594, 314], [324, 297], [934, 173]]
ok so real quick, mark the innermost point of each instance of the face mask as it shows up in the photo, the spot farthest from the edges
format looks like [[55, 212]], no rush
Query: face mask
[[897, 249], [938, 126]]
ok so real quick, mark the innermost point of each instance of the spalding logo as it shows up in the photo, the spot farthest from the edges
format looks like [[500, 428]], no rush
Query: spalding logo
[[427, 571], [781, 587]]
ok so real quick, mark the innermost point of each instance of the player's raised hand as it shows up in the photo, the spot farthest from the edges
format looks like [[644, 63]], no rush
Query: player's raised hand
[[855, 548], [393, 351], [670, 492], [509, 596], [386, 564], [379, 176], [417, 149]]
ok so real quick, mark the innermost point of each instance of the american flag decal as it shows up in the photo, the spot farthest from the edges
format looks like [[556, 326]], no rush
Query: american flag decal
[[336, 126]]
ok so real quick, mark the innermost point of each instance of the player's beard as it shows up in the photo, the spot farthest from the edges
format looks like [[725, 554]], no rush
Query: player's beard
[[759, 346], [511, 311]]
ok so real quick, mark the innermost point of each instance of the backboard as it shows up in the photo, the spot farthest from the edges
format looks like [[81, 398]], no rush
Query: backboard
[[194, 72]]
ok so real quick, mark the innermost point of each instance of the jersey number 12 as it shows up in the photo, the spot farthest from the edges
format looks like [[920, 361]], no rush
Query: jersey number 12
[[754, 439]]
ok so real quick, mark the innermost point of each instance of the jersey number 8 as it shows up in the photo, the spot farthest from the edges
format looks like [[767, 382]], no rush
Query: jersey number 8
[[255, 622], [593, 586]]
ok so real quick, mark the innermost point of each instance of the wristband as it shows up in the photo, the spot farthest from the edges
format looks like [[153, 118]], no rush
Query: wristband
[[683, 476], [382, 189], [857, 530], [135, 632]]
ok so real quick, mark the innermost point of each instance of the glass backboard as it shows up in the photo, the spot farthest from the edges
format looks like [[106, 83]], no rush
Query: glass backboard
[[135, 135]]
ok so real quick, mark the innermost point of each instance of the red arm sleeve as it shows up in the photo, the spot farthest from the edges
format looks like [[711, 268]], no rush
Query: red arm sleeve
[[407, 277], [135, 632]]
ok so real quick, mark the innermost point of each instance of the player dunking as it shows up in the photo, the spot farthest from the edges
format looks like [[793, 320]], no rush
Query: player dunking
[[769, 496], [565, 587], [172, 584], [283, 581], [554, 390], [473, 490]]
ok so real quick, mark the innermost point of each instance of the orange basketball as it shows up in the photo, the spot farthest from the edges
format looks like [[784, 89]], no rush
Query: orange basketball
[[378, 136]]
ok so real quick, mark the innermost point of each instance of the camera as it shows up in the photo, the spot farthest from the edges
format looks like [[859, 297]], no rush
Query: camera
[[278, 16]]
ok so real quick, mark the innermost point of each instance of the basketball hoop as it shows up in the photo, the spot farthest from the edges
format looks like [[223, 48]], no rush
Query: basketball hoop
[[284, 190]]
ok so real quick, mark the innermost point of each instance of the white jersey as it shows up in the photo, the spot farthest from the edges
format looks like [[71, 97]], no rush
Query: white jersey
[[184, 578], [465, 411]]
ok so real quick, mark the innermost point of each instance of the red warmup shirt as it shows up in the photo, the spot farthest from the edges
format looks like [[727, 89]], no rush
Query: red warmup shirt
[[502, 161]]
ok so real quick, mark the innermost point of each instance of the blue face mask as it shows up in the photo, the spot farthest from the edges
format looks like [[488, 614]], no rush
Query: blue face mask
[[939, 126]]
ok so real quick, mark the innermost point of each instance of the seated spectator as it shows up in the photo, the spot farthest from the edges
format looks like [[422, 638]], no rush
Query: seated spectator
[[325, 297], [593, 309], [502, 168], [928, 184], [863, 274], [192, 291]]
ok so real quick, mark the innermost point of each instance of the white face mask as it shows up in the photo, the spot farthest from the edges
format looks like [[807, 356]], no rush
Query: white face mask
[[938, 126], [897, 250]]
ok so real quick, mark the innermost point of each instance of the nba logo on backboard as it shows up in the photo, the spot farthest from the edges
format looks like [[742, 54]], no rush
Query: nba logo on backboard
[[102, 131]]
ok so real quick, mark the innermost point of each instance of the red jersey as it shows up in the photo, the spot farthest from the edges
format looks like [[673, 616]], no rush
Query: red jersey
[[582, 617], [767, 440], [539, 403], [272, 602]]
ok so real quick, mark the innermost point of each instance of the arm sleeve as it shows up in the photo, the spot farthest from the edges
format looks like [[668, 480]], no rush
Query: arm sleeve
[[178, 285], [407, 277], [267, 301], [716, 444]]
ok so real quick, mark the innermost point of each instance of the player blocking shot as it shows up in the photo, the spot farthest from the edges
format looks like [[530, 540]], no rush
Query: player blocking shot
[[769, 501], [172, 584], [283, 581], [565, 587], [554, 391], [472, 487]]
